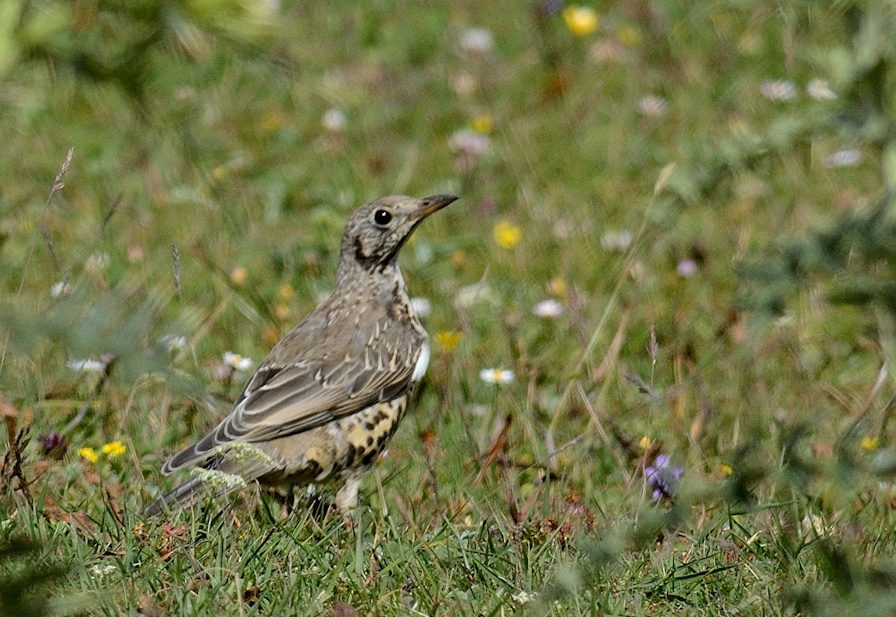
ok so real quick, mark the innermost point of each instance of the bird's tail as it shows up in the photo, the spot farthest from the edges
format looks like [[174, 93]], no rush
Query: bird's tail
[[184, 494]]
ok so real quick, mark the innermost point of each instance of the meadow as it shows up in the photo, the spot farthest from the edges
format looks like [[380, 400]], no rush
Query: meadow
[[662, 310]]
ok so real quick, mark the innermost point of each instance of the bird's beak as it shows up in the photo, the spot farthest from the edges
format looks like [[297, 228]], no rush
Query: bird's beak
[[428, 205]]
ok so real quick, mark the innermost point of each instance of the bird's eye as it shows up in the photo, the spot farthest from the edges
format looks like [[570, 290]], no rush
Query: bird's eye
[[382, 217]]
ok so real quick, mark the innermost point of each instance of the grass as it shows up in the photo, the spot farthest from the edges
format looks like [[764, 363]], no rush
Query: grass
[[205, 199]]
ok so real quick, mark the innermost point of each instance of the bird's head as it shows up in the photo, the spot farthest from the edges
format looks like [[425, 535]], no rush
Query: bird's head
[[377, 230]]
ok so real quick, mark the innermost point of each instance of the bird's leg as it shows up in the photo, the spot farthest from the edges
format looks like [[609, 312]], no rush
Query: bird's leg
[[347, 496]]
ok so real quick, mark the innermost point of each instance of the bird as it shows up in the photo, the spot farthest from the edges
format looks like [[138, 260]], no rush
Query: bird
[[322, 405]]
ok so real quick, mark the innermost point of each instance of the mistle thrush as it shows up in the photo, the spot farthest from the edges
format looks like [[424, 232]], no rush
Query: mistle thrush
[[323, 404]]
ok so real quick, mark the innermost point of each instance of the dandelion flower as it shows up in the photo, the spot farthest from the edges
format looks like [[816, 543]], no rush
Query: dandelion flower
[[238, 276], [236, 361], [726, 469], [507, 235], [113, 449], [558, 287], [448, 339], [870, 443], [286, 292], [483, 124], [88, 454], [581, 20], [548, 309], [499, 376]]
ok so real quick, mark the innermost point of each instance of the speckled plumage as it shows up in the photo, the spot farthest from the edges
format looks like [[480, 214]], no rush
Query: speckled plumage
[[331, 393]]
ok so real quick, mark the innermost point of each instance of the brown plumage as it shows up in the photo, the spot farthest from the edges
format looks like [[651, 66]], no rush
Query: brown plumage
[[331, 393]]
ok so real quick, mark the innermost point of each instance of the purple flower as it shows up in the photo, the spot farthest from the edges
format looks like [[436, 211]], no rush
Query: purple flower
[[662, 478], [53, 445]]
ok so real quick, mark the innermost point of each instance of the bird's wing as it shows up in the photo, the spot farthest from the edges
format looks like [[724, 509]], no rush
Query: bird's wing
[[297, 397]]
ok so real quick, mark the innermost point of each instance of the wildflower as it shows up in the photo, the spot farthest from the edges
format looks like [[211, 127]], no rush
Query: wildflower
[[726, 469], [848, 157], [778, 90], [507, 235], [483, 124], [469, 295], [581, 20], [464, 84], [523, 597], [469, 142], [662, 479], [617, 241], [477, 41], [558, 287], [686, 268], [820, 90], [421, 306], [236, 361], [99, 571], [286, 292], [272, 121], [96, 263], [335, 120], [496, 375], [60, 289], [86, 366], [548, 309], [870, 443], [606, 51], [629, 36], [173, 342], [88, 454], [53, 445], [645, 443], [114, 449], [238, 276], [448, 339], [653, 106]]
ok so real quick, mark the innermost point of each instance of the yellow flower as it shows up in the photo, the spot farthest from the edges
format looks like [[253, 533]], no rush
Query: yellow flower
[[558, 287], [448, 339], [645, 443], [272, 121], [629, 36], [870, 443], [484, 124], [726, 469], [238, 276], [507, 235], [113, 449], [281, 310], [88, 454], [286, 292], [581, 20]]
